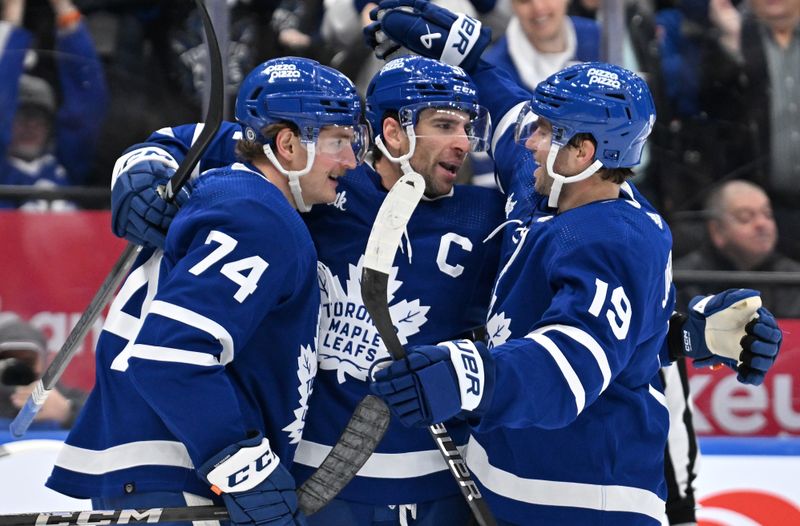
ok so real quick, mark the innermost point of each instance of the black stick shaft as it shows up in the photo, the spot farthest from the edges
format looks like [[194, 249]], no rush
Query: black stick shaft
[[109, 517]]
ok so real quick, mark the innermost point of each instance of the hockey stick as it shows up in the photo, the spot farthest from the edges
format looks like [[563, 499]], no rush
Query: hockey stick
[[107, 517], [390, 223], [56, 368], [357, 442]]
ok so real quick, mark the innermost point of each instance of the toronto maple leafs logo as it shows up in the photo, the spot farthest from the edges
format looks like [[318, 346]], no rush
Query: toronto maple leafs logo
[[306, 371], [510, 204], [348, 341], [498, 329]]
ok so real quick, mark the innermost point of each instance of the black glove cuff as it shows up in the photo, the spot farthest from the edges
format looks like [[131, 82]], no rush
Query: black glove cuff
[[675, 336]]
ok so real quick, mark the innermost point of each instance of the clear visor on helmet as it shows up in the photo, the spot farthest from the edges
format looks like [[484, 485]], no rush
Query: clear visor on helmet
[[340, 142], [450, 119], [527, 122]]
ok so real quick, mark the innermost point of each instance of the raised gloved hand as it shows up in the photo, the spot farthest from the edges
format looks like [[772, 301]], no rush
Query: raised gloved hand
[[138, 213], [732, 328], [434, 383], [428, 30], [255, 486]]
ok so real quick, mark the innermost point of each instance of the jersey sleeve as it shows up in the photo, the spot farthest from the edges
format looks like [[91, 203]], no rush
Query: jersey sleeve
[[504, 99], [225, 267], [585, 338]]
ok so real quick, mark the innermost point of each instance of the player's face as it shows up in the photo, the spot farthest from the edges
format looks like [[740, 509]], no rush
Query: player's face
[[539, 143], [441, 147], [334, 156], [542, 21]]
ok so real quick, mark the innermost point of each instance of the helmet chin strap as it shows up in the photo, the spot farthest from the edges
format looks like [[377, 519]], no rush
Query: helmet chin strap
[[294, 175], [403, 160], [560, 180]]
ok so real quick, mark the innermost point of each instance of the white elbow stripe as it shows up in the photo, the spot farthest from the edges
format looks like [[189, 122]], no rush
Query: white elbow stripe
[[586, 340], [469, 371], [245, 469], [167, 354], [124, 456], [200, 322], [149, 153], [567, 371]]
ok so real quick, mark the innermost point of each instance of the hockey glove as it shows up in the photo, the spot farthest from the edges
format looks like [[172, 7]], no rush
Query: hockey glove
[[138, 213], [732, 328], [434, 383], [428, 30], [255, 486]]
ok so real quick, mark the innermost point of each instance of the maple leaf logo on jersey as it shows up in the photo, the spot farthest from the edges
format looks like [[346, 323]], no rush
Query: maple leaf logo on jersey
[[510, 204], [348, 341], [306, 371], [498, 329]]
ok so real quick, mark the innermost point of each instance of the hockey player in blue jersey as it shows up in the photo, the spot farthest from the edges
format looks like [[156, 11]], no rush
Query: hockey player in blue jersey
[[207, 358], [445, 294], [546, 361], [425, 112], [566, 426]]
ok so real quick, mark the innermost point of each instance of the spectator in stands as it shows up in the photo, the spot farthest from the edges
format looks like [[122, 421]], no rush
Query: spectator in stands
[[42, 142], [752, 78], [742, 236], [540, 39], [23, 353]]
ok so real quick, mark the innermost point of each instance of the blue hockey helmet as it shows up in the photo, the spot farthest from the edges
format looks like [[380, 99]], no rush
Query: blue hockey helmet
[[609, 102], [297, 90], [410, 84]]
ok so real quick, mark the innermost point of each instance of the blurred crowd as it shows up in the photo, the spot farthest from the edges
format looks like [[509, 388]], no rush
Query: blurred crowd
[[80, 80]]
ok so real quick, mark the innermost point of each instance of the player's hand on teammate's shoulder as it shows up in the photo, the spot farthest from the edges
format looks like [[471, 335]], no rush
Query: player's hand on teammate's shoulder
[[138, 212]]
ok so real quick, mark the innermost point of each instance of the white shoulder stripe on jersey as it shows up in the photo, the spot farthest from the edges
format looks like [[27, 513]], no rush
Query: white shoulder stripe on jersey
[[570, 376], [561, 493], [379, 465], [585, 339], [198, 321], [167, 354], [124, 456]]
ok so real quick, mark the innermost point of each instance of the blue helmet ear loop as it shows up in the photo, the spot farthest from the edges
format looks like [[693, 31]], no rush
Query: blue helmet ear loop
[[294, 175]]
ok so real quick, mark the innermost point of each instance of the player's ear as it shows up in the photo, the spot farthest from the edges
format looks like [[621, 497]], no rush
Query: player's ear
[[394, 137], [586, 151], [286, 143]]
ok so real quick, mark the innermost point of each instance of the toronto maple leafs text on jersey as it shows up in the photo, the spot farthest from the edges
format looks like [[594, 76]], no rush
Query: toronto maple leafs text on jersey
[[439, 289]]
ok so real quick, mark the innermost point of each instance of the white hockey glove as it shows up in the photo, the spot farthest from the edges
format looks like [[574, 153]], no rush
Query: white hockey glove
[[732, 328]]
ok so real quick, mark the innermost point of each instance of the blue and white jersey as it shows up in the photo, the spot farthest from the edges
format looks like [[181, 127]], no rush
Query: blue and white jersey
[[439, 290], [207, 340], [577, 425]]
